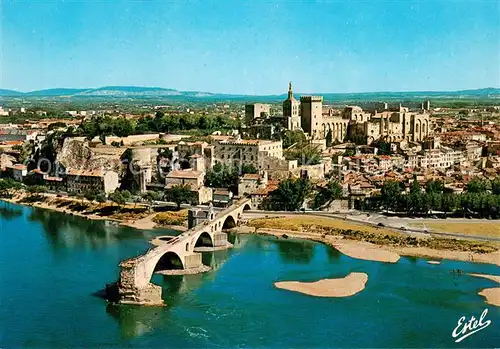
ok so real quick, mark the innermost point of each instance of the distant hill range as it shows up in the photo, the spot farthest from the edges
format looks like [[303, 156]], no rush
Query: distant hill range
[[134, 92]]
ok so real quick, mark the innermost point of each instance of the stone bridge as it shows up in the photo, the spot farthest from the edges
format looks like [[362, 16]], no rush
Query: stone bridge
[[135, 287]]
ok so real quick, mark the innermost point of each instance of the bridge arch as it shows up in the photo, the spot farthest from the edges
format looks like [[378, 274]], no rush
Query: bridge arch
[[229, 222], [204, 239], [169, 260], [176, 253]]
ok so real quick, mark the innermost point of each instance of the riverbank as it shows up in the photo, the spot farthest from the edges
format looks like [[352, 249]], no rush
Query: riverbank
[[492, 294], [132, 216], [388, 247], [355, 240], [341, 287]]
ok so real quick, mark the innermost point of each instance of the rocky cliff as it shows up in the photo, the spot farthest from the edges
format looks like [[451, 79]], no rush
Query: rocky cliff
[[76, 154]]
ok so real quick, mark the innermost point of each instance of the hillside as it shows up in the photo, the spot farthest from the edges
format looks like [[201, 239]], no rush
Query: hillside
[[135, 92]]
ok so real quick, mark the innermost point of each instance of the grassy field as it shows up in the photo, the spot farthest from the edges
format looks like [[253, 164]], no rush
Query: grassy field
[[310, 223], [491, 229], [171, 218], [379, 236]]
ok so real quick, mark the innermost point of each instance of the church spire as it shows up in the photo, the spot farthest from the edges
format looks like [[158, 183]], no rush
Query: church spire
[[290, 94]]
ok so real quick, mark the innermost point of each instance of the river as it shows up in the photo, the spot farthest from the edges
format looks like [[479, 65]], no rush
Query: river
[[53, 267]]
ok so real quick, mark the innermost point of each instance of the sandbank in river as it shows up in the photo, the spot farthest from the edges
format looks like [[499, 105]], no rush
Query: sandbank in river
[[492, 294], [343, 287]]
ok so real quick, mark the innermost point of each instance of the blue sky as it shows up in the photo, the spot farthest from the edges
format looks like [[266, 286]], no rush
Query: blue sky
[[251, 47]]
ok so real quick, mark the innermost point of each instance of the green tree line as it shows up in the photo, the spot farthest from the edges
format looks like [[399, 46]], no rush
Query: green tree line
[[102, 126], [481, 198]]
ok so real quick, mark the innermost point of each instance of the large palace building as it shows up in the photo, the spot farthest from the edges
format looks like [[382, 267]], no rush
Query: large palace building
[[390, 125], [319, 122]]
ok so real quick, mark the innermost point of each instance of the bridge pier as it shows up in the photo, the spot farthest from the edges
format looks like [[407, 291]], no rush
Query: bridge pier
[[130, 293], [192, 260], [176, 256], [220, 239], [149, 295]]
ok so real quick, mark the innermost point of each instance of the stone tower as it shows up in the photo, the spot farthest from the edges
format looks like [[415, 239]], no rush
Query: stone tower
[[291, 111], [311, 115]]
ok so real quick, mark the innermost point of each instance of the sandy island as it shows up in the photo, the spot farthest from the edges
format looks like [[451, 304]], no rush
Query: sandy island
[[492, 295], [365, 250], [343, 287]]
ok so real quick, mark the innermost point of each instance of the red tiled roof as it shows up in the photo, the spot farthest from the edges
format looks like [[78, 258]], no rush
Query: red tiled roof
[[221, 192], [184, 174]]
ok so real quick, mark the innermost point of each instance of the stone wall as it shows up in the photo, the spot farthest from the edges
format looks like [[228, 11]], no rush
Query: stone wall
[[132, 139]]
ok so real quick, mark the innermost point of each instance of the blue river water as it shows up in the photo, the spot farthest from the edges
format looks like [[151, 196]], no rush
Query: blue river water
[[54, 265]]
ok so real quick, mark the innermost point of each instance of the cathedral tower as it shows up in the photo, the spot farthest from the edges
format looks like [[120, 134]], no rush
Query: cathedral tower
[[291, 111]]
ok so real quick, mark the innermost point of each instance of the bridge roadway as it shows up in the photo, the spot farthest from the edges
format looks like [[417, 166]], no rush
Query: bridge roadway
[[134, 285]]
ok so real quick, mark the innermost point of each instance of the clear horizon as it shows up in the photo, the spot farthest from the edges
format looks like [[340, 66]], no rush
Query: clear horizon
[[251, 48], [229, 93]]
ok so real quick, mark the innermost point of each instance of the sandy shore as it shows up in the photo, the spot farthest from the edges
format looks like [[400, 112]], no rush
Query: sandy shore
[[365, 250], [145, 223], [64, 210], [495, 278], [343, 287], [490, 258], [351, 248], [378, 253], [492, 295]]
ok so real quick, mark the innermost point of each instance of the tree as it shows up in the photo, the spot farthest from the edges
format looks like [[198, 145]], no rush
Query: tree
[[477, 185], [384, 148], [8, 184], [90, 195], [449, 203], [122, 127], [151, 196], [434, 186], [495, 186], [26, 152], [179, 194], [222, 176], [100, 197], [289, 196], [305, 155], [290, 138], [391, 190], [247, 168], [36, 191], [117, 197], [415, 186], [136, 199], [332, 191]]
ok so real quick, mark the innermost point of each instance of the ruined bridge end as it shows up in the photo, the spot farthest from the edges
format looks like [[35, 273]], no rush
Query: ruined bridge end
[[134, 285]]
